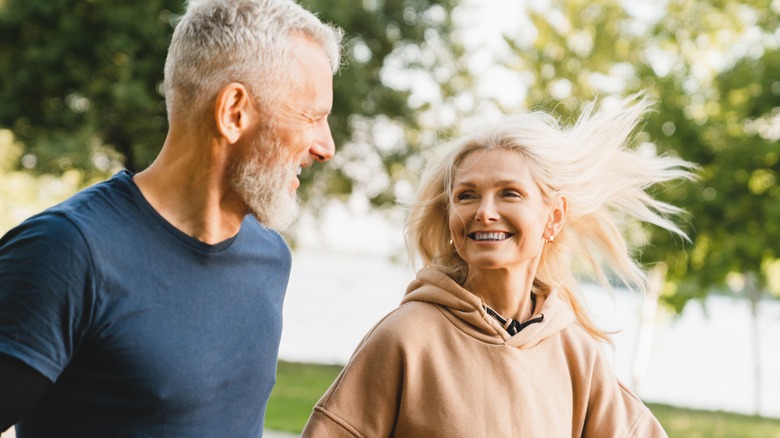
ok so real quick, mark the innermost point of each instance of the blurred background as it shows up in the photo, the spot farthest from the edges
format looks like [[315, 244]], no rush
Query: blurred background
[[80, 98]]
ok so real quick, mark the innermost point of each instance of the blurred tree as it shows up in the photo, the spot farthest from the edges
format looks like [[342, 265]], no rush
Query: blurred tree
[[712, 67], [82, 79], [22, 193], [376, 124], [720, 109]]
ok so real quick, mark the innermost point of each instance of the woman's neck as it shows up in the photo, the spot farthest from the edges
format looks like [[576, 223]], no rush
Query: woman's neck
[[508, 292]]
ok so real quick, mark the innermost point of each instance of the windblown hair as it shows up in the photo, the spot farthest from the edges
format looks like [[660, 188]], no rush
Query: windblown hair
[[248, 41], [591, 164]]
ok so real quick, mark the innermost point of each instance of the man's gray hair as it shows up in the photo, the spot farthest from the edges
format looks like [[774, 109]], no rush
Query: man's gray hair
[[217, 42]]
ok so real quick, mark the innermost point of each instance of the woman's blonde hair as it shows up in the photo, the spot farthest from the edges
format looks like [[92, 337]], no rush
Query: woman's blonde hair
[[590, 163]]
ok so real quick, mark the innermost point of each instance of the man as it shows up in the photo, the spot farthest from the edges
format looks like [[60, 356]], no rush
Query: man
[[150, 304]]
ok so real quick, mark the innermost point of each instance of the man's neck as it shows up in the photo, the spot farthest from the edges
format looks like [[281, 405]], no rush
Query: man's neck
[[189, 187]]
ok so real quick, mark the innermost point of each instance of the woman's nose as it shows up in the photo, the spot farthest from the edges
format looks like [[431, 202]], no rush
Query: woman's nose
[[487, 211]]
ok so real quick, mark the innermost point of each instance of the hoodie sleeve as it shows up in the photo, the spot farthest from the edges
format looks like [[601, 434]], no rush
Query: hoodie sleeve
[[613, 410], [364, 399]]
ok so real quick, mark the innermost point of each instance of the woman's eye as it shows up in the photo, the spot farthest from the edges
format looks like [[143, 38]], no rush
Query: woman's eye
[[512, 194], [464, 195]]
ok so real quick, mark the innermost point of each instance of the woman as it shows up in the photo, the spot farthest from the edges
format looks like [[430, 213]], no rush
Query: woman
[[491, 339]]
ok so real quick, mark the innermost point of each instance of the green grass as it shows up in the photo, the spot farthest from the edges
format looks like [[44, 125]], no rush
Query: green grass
[[693, 423], [299, 386]]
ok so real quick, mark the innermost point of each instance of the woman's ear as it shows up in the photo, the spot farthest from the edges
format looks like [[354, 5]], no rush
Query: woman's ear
[[233, 111], [557, 216]]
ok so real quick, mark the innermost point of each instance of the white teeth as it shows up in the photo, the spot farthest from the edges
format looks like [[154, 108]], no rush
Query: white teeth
[[490, 236]]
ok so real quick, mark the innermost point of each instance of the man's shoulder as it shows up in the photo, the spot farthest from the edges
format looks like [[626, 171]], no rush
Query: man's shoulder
[[254, 232], [97, 197], [91, 211], [46, 235], [91, 205]]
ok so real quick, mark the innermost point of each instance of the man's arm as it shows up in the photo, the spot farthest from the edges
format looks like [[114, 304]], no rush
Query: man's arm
[[21, 387], [42, 281]]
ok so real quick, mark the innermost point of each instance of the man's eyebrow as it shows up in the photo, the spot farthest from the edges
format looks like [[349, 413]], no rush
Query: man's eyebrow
[[320, 112]]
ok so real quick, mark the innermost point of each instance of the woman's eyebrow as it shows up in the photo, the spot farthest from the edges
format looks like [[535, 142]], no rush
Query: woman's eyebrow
[[503, 182], [509, 182]]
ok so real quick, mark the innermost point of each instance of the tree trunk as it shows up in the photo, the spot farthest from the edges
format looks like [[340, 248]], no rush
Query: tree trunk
[[648, 312], [753, 292], [125, 148]]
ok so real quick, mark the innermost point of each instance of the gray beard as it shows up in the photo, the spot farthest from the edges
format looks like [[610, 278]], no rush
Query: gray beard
[[264, 183]]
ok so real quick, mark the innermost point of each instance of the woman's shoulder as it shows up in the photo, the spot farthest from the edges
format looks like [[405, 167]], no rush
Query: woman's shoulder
[[410, 316], [405, 326], [575, 340]]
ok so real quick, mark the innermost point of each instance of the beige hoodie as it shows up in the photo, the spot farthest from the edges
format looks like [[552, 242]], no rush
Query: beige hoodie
[[440, 366]]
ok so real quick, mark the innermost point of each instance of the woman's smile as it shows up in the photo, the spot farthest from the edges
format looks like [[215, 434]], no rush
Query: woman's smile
[[498, 214]]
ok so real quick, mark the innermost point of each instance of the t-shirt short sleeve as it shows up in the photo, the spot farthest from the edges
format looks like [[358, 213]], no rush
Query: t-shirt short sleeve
[[45, 292]]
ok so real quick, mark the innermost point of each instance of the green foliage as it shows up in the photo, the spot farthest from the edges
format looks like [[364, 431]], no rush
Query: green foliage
[[725, 127], [724, 124], [718, 106], [81, 81], [567, 59], [383, 38], [80, 77], [23, 194]]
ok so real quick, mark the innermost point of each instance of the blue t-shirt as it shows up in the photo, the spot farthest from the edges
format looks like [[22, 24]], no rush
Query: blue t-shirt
[[144, 330]]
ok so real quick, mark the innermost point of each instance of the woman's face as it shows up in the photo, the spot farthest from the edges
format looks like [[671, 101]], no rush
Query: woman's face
[[498, 218]]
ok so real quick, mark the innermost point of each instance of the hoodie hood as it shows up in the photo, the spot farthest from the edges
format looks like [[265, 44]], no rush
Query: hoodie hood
[[465, 310]]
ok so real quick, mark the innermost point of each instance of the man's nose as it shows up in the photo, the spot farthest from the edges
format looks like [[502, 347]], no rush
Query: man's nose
[[323, 147]]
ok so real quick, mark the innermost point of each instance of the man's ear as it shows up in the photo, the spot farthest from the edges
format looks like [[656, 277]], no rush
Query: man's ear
[[233, 111]]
